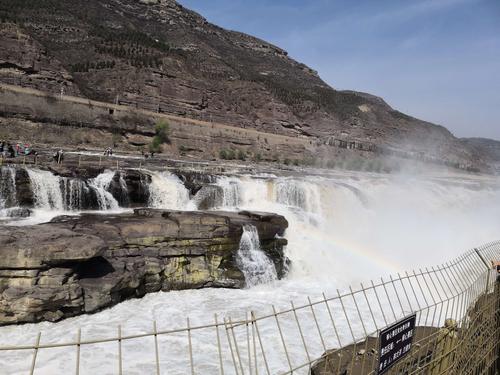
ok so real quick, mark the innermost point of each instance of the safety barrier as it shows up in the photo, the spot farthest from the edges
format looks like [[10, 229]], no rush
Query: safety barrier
[[457, 330]]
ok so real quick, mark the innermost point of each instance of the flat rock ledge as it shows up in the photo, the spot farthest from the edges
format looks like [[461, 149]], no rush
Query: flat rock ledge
[[83, 264]]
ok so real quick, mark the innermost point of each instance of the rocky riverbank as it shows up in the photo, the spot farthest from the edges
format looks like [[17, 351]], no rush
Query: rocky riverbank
[[77, 265]]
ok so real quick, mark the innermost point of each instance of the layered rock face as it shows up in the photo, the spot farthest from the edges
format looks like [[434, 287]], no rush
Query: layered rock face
[[77, 265], [160, 56]]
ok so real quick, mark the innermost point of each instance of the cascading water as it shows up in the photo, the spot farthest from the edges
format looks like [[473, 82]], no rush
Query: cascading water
[[252, 261], [101, 184], [231, 192], [7, 187], [168, 192], [300, 194], [74, 193], [46, 189]]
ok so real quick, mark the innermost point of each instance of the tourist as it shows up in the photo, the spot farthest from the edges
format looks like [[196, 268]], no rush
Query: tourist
[[108, 151], [11, 151], [58, 157]]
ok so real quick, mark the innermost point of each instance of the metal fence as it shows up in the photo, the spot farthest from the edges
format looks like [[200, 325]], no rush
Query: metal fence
[[457, 305]]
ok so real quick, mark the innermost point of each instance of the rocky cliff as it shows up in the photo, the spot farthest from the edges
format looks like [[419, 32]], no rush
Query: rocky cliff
[[161, 56], [77, 265]]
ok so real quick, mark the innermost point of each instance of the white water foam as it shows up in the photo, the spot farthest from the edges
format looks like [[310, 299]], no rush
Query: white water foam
[[166, 191], [104, 197], [46, 190], [254, 263], [367, 226], [232, 194]]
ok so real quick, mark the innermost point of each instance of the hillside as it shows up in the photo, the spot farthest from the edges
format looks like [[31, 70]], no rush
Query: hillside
[[160, 56], [489, 149]]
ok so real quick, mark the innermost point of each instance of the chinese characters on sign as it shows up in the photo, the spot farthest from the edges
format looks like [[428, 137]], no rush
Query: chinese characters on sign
[[395, 342]]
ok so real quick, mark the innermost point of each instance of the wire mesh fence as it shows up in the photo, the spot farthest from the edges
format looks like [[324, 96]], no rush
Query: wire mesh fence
[[457, 330]]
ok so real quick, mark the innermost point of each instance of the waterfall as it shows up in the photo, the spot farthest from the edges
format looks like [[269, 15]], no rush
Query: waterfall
[[253, 262], [101, 184], [298, 194], [168, 192], [46, 188], [231, 192], [73, 193], [120, 190], [7, 187]]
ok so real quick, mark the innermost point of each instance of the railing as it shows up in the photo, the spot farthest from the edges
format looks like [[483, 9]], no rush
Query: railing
[[457, 306], [77, 159]]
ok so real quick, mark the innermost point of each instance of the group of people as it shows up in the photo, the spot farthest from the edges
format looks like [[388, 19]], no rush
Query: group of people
[[9, 150], [108, 151], [147, 155]]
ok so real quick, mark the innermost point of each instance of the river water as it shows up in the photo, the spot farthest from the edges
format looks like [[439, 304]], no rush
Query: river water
[[344, 228]]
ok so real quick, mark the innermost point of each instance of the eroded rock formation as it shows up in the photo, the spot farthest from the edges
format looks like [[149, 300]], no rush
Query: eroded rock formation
[[77, 265]]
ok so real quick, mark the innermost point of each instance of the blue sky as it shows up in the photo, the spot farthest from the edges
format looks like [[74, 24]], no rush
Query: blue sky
[[438, 60]]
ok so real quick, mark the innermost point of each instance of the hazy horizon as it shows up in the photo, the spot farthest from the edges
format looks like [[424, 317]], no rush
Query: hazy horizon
[[437, 60]]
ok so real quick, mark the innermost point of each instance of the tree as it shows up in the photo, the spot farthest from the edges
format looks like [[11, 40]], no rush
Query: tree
[[155, 145], [162, 130]]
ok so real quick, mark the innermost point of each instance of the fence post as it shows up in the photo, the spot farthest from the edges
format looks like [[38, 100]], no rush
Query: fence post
[[488, 267], [33, 362], [497, 296], [79, 338], [190, 347], [157, 356], [120, 368], [219, 345]]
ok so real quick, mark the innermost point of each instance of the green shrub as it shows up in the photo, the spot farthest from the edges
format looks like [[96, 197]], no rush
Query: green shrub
[[162, 130], [155, 145], [242, 155], [223, 154]]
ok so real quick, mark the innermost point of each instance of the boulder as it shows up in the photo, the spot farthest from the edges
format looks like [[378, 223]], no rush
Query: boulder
[[24, 193], [75, 265], [137, 183]]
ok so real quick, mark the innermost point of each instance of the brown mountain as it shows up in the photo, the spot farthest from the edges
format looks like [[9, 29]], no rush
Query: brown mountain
[[158, 55]]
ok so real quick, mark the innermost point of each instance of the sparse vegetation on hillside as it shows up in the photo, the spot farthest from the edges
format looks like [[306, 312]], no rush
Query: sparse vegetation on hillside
[[232, 154], [162, 130]]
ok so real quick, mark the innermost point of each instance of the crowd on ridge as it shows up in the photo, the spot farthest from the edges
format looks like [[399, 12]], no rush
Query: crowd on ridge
[[11, 150]]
